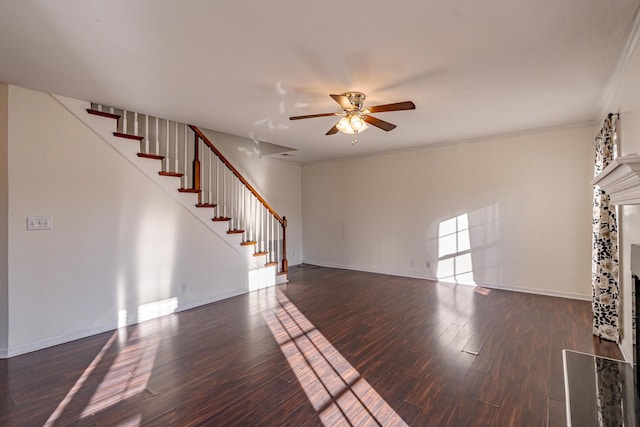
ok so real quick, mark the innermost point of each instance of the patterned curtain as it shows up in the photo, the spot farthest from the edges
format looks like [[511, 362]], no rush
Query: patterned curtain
[[604, 273]]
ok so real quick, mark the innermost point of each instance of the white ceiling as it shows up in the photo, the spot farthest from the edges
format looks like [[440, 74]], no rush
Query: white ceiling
[[473, 68]]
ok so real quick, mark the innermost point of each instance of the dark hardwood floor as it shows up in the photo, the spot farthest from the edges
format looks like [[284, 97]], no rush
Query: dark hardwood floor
[[332, 347]]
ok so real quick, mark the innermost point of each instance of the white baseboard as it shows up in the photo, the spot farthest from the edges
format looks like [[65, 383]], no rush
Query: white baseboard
[[627, 353], [504, 287], [6, 353], [210, 300], [536, 291], [367, 270], [60, 339]]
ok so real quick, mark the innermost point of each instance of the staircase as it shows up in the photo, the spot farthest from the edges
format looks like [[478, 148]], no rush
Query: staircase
[[182, 160]]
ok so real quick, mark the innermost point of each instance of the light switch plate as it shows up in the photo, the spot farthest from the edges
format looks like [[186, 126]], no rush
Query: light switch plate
[[39, 223]]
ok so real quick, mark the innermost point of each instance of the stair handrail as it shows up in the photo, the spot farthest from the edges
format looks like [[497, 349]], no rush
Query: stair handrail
[[281, 220], [123, 130]]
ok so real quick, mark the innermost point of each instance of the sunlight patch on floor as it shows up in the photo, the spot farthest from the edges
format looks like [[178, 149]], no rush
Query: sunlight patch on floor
[[78, 385], [335, 388], [129, 373], [128, 376]]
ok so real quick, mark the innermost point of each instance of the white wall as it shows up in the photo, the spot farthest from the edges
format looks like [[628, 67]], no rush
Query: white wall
[[626, 101], [279, 182], [118, 240], [527, 197], [4, 212]]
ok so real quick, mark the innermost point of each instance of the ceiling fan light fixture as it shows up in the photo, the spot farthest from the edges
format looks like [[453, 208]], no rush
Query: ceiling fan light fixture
[[355, 118], [357, 123], [352, 123], [344, 125]]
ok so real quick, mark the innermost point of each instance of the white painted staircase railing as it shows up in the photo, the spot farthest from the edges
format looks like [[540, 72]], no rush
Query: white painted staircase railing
[[182, 160]]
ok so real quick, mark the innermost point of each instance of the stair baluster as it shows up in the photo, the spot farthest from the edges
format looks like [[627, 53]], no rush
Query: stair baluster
[[205, 171], [124, 121]]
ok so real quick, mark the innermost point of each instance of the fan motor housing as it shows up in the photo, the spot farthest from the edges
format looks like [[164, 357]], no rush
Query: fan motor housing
[[356, 99]]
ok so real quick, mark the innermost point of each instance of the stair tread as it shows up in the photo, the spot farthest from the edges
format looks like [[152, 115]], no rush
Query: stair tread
[[176, 174], [183, 190], [150, 156], [221, 218], [103, 114], [128, 136]]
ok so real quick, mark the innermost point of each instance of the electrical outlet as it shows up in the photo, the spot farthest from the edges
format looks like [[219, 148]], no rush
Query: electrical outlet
[[183, 288], [412, 263], [39, 223], [429, 264]]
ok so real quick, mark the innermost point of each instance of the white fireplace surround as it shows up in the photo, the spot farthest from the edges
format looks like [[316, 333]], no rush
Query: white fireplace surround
[[635, 259], [621, 180], [635, 270]]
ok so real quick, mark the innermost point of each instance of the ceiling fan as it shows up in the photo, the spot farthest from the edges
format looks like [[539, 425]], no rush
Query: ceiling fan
[[355, 118]]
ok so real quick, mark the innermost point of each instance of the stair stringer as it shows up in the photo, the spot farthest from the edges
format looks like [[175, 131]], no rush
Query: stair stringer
[[260, 276]]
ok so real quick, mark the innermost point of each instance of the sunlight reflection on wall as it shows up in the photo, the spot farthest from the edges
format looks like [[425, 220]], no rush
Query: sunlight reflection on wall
[[261, 278], [468, 247], [155, 256], [454, 251], [156, 309]]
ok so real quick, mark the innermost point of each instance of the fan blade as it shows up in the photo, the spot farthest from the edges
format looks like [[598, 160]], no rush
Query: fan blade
[[398, 106], [332, 131], [311, 116], [379, 123], [343, 101]]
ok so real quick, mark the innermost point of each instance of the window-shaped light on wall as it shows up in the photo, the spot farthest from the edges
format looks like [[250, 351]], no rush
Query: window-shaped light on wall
[[454, 251]]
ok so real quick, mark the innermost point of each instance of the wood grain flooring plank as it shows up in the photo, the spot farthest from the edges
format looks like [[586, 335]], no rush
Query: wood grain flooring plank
[[436, 353], [556, 415]]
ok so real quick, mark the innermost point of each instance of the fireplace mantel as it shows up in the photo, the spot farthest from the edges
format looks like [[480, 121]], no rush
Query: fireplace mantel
[[621, 180]]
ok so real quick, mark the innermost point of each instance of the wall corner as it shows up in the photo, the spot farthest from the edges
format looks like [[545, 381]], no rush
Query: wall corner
[[4, 219]]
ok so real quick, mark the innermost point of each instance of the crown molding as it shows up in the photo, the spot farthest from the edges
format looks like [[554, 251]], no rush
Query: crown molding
[[618, 72]]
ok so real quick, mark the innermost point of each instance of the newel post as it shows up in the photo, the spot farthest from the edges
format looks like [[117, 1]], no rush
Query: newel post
[[196, 167], [285, 263]]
